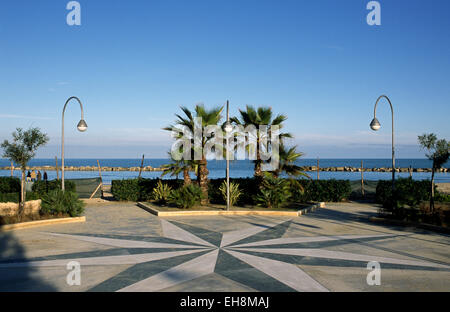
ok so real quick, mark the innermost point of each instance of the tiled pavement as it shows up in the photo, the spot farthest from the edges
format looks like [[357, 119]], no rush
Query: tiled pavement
[[124, 248]]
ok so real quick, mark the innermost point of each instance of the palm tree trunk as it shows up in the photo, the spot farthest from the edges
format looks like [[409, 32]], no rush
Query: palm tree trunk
[[186, 176], [203, 180], [258, 171]]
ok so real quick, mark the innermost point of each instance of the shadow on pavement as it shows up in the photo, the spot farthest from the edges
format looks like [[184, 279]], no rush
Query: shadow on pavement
[[23, 278], [360, 219]]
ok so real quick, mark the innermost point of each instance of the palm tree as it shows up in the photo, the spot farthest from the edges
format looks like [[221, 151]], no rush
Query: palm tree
[[208, 118], [260, 117], [178, 166], [288, 157]]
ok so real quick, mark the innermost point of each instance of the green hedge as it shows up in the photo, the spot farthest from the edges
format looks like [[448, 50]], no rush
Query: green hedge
[[410, 201], [139, 189], [9, 197], [15, 197], [9, 185], [408, 193], [43, 187], [10, 189], [322, 190]]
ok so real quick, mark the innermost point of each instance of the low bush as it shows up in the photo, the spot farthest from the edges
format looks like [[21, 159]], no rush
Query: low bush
[[139, 189], [273, 192], [321, 190], [43, 187], [409, 199], [58, 202], [9, 197], [247, 186], [301, 190], [408, 193], [161, 193], [9, 185], [235, 192], [186, 196], [127, 189], [442, 197], [15, 197]]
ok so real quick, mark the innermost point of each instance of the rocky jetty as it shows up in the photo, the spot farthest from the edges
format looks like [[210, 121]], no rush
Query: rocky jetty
[[357, 169], [86, 168]]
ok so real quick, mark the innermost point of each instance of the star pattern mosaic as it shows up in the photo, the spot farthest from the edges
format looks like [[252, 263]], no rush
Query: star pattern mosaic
[[258, 257]]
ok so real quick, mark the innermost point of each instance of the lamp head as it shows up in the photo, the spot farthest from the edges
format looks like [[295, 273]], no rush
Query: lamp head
[[82, 126], [375, 125], [228, 127]]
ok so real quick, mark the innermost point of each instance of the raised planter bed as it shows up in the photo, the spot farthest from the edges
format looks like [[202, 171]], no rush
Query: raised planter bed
[[30, 224], [164, 212]]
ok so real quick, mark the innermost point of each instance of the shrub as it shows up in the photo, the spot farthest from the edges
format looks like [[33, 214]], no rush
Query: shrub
[[59, 202], [125, 189], [9, 185], [186, 196], [302, 190], [441, 197], [247, 186], [9, 197], [161, 192], [235, 192], [43, 187], [322, 190], [408, 193], [274, 191], [297, 189], [15, 197], [138, 189]]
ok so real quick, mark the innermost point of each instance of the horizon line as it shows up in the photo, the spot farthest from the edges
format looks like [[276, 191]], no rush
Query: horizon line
[[315, 158]]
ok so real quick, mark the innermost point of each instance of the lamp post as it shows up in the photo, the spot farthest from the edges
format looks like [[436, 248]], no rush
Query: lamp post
[[82, 126], [228, 128], [375, 125]]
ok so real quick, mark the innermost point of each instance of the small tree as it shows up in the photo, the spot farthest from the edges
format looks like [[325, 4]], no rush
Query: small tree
[[438, 152], [21, 150]]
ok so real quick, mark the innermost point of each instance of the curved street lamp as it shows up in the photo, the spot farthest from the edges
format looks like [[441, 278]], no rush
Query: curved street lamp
[[375, 126], [82, 126], [228, 128]]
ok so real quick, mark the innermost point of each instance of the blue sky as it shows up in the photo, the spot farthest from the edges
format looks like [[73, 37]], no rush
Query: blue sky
[[133, 63]]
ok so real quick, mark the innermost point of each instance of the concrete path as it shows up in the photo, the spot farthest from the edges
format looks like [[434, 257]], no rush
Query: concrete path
[[123, 248]]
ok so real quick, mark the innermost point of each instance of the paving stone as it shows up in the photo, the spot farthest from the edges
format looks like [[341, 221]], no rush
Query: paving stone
[[124, 248]]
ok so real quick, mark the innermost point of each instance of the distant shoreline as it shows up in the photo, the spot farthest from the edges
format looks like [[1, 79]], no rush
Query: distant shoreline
[[150, 168]]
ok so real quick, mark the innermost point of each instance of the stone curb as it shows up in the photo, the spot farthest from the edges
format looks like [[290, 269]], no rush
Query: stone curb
[[25, 225], [230, 213]]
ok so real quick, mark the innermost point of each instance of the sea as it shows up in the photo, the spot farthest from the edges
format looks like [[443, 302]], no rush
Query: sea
[[238, 168]]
